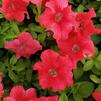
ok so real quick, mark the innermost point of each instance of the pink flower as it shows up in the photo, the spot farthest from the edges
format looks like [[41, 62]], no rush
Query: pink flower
[[76, 46], [59, 18], [44, 1], [24, 45], [14, 9], [1, 87], [97, 96], [53, 98], [39, 2], [19, 94], [86, 24], [54, 71]]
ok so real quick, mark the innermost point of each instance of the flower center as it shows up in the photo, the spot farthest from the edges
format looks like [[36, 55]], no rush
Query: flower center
[[53, 72], [75, 48], [22, 46], [58, 17], [13, 4]]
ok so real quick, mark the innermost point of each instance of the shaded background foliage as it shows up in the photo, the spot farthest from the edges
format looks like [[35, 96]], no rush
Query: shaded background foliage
[[87, 77]]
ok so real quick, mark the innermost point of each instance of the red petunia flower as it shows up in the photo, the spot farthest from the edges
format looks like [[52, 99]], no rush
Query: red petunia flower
[[44, 1], [14, 9], [24, 45], [39, 2], [1, 86], [19, 94], [54, 71], [59, 18], [86, 24], [53, 98], [97, 96], [76, 46]]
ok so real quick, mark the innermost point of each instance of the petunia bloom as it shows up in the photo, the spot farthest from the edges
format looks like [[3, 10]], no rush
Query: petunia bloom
[[19, 94], [36, 2], [1, 86], [14, 9], [54, 71], [59, 18], [97, 96], [77, 47], [39, 2], [24, 45], [53, 98], [44, 1], [86, 24]]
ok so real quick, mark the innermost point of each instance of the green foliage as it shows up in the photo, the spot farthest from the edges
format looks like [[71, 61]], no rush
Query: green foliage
[[95, 61], [83, 89], [87, 75], [13, 60], [63, 97], [98, 89], [78, 72], [95, 79], [88, 65]]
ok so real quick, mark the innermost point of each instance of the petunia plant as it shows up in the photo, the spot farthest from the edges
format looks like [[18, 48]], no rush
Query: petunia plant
[[50, 50]]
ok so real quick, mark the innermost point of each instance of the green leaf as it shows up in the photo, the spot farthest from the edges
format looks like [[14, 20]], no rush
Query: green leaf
[[2, 68], [34, 35], [1, 43], [96, 39], [20, 66], [77, 98], [27, 63], [5, 27], [63, 97], [34, 28], [98, 89], [96, 71], [78, 72], [1, 16], [13, 60], [99, 11], [94, 5], [38, 29], [55, 48], [13, 76], [10, 36], [83, 61], [71, 98], [80, 8], [96, 52], [98, 58], [41, 37], [98, 64], [79, 89], [88, 65], [95, 79], [71, 1], [28, 74], [14, 27], [98, 0]]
